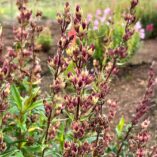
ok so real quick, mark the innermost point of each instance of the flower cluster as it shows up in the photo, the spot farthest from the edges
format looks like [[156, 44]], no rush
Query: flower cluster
[[105, 17], [81, 79], [138, 143], [72, 149], [105, 26], [24, 47], [149, 27], [145, 104], [142, 108], [102, 17], [53, 130]]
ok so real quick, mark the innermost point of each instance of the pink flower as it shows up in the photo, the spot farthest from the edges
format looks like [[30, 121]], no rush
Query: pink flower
[[96, 22], [140, 152], [138, 26], [140, 30], [71, 33], [149, 27], [102, 19], [96, 25], [89, 17], [98, 12], [107, 11], [142, 33]]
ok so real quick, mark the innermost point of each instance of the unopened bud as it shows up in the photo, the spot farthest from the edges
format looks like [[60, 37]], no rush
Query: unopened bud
[[59, 18], [91, 50], [39, 13], [134, 3], [67, 7]]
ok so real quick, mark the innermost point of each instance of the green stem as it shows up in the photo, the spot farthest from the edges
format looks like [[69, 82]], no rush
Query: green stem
[[1, 116], [78, 108], [20, 137], [125, 138]]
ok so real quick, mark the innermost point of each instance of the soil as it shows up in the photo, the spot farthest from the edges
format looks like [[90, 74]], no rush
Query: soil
[[128, 87]]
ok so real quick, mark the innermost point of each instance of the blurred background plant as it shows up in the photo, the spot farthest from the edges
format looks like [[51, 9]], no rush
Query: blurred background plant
[[52, 6], [44, 40], [149, 22], [106, 26], [146, 11]]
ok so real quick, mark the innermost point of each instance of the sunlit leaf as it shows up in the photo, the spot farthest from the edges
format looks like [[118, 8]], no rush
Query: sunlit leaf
[[120, 127]]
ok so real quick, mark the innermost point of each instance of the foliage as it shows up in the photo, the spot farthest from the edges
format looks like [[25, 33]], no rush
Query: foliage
[[149, 22], [148, 17], [106, 27], [75, 118]]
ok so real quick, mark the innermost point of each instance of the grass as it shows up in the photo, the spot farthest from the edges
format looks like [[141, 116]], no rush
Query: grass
[[51, 7]]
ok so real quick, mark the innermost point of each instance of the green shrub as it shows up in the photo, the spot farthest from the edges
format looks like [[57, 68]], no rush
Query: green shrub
[[106, 27], [45, 39], [148, 19]]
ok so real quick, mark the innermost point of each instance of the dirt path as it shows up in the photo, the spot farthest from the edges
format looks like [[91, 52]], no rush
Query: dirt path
[[147, 53]]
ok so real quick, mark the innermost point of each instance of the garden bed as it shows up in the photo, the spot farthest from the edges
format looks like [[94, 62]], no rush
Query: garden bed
[[128, 87]]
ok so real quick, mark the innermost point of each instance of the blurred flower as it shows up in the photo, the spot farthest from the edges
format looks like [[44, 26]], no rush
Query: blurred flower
[[149, 27], [138, 25], [89, 18], [72, 33], [102, 19], [98, 12], [96, 25], [140, 152], [140, 30], [107, 11], [142, 33], [143, 137]]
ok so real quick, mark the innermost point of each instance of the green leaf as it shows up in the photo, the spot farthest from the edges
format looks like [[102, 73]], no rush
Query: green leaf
[[35, 149], [16, 97], [61, 135], [120, 127], [9, 153], [53, 151], [31, 129], [17, 154], [111, 149], [91, 139], [70, 68], [29, 105], [35, 105], [70, 116]]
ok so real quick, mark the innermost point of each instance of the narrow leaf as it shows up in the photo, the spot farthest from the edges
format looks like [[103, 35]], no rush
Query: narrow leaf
[[16, 97], [120, 127]]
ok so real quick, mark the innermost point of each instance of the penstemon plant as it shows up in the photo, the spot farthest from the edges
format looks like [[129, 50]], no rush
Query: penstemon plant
[[76, 118], [106, 26]]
